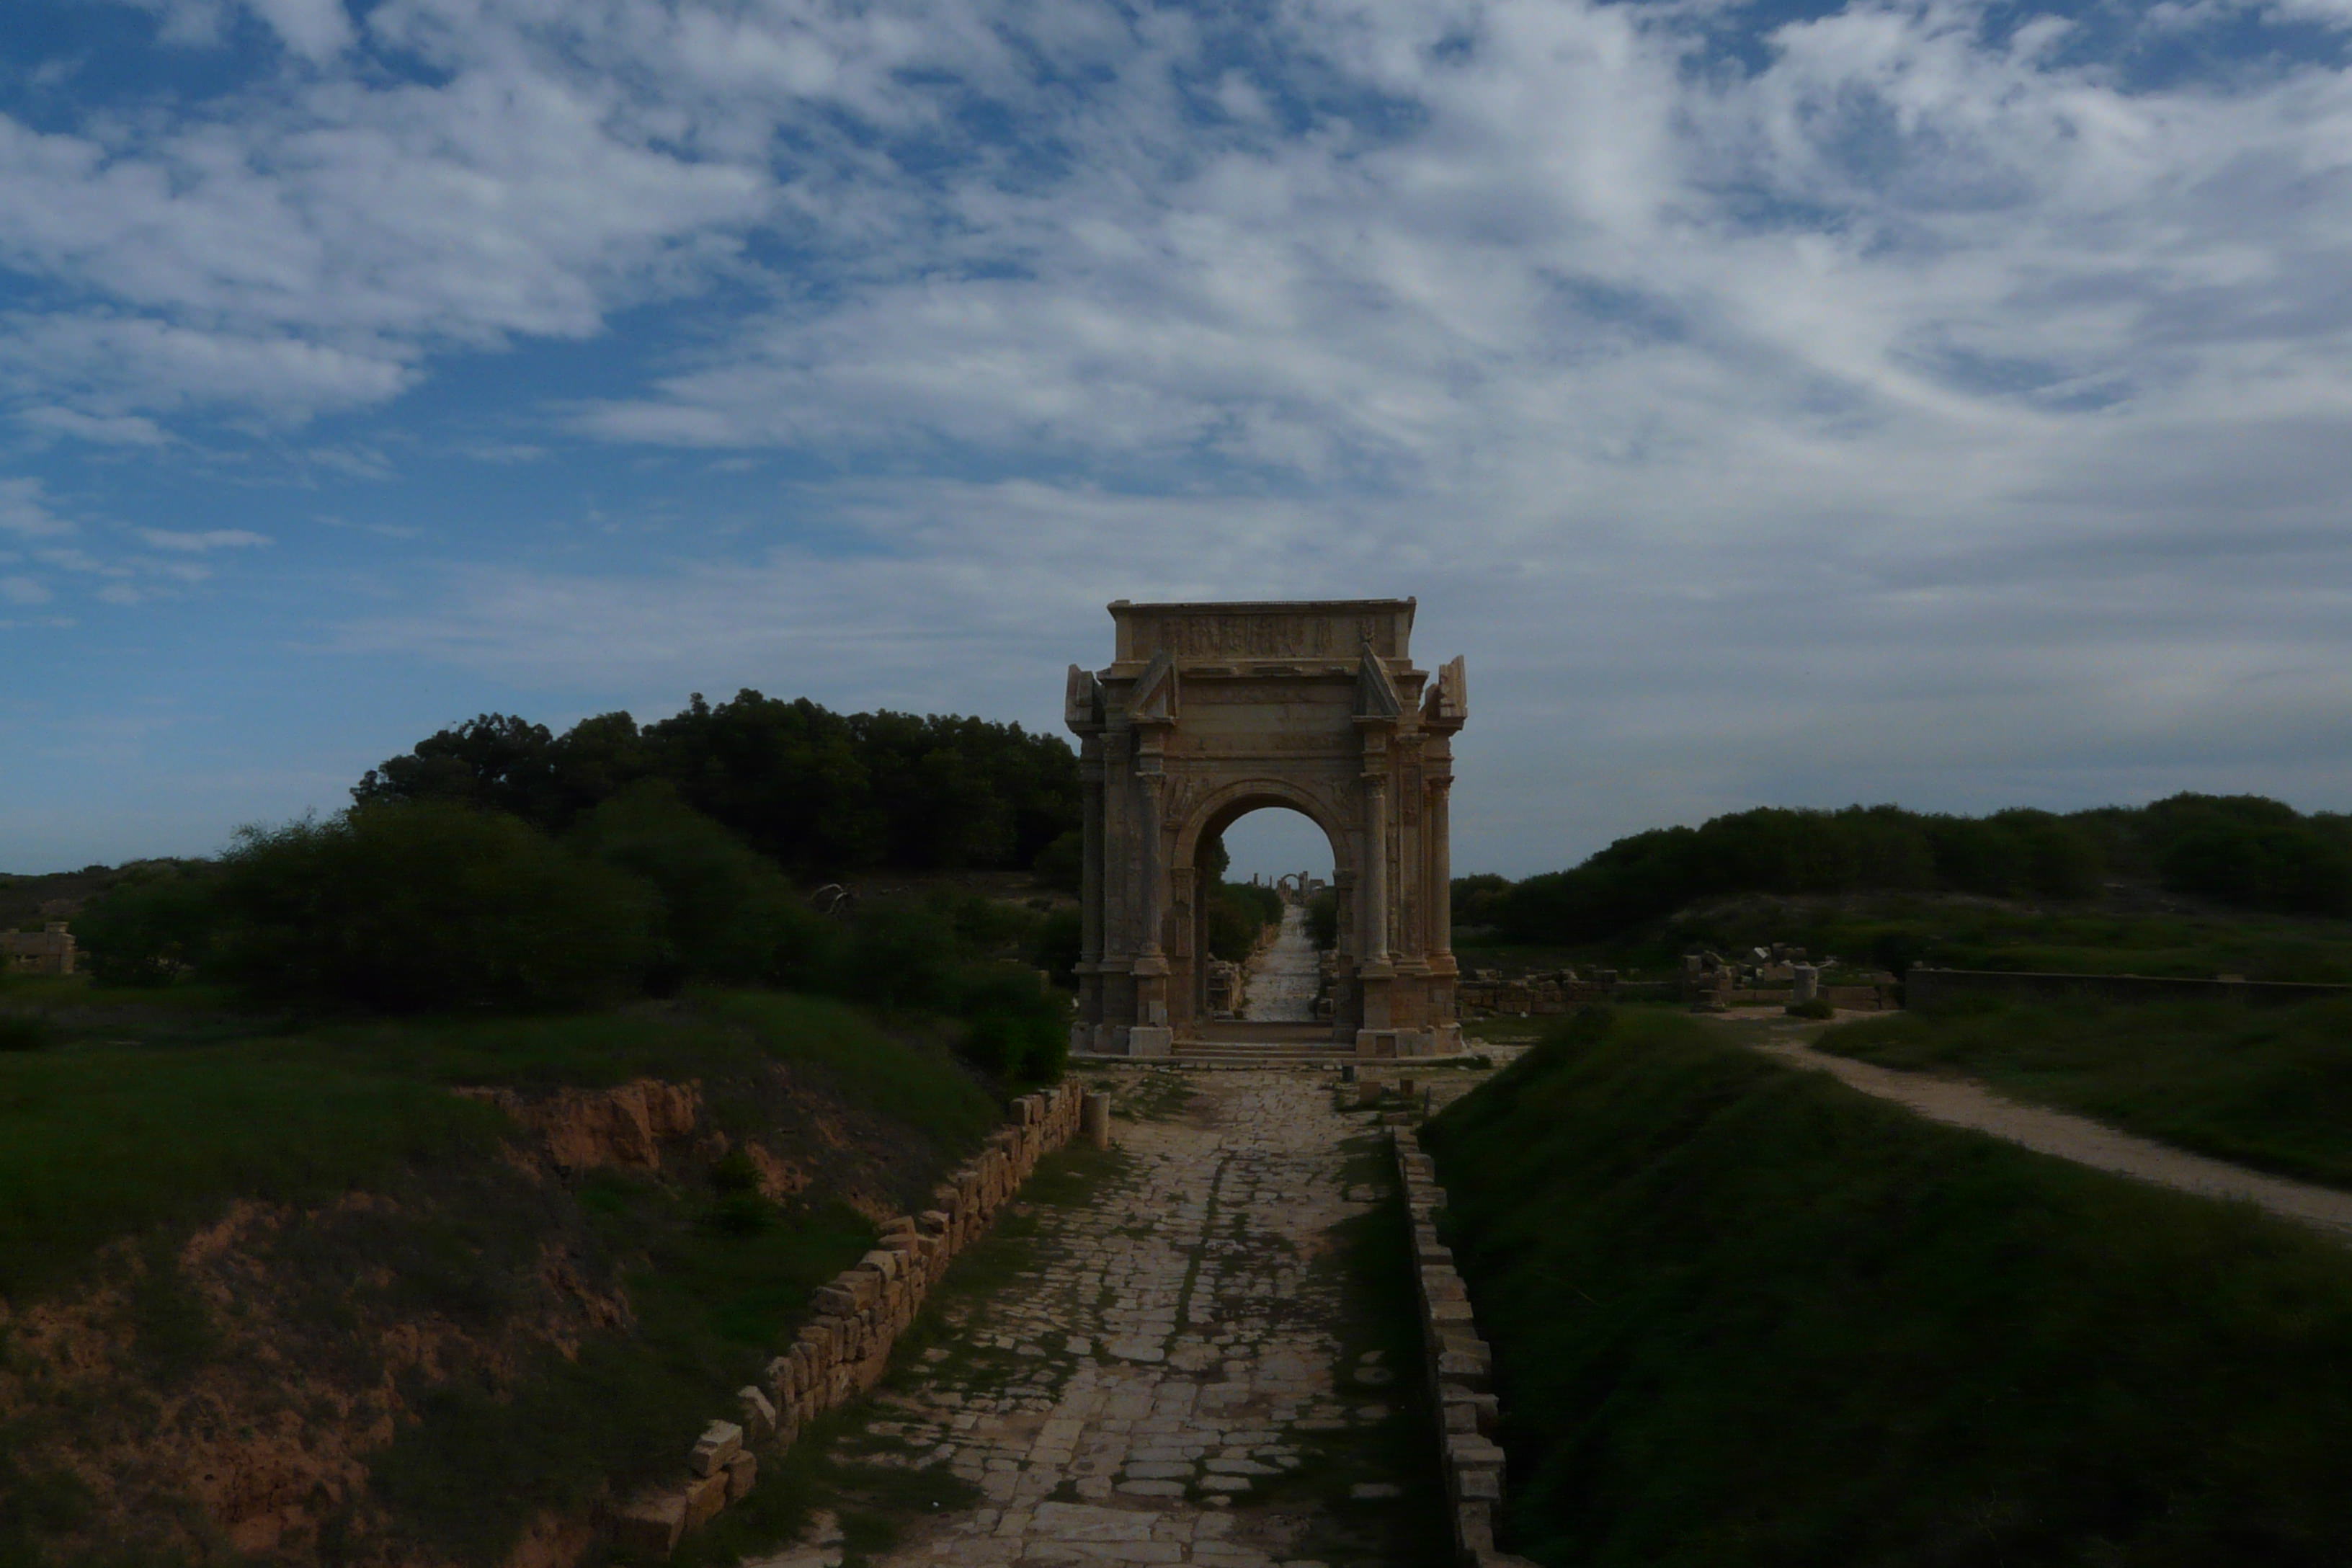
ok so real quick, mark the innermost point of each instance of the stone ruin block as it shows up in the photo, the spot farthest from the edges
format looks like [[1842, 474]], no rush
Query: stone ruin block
[[705, 1497], [649, 1526], [759, 1414], [742, 1475], [721, 1441]]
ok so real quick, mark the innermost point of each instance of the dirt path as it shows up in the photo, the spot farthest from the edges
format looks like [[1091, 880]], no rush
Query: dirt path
[[1168, 1384], [1284, 977], [1959, 1102]]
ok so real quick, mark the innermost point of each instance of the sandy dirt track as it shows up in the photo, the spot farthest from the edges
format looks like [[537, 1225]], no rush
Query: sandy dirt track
[[1959, 1102]]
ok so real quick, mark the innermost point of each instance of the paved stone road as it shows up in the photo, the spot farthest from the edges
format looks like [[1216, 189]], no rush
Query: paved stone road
[[1284, 977], [1146, 1394]]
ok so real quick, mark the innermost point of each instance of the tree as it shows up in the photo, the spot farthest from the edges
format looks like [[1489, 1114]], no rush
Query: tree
[[726, 912], [428, 906]]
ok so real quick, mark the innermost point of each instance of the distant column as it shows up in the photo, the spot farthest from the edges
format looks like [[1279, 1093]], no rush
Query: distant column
[[1153, 878], [1439, 829], [1090, 876], [1376, 869]]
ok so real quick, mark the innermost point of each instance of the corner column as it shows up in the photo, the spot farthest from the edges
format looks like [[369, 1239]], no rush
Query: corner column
[[1090, 891], [1150, 1036], [1440, 840], [1375, 922]]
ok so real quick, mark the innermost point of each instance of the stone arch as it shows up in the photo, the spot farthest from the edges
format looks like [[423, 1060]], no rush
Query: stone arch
[[1209, 712], [1222, 808], [1207, 819]]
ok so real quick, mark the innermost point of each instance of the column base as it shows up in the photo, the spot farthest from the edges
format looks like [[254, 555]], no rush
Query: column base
[[1438, 1040]]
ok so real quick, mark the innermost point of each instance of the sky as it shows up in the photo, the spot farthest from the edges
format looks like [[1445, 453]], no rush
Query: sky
[[1942, 403]]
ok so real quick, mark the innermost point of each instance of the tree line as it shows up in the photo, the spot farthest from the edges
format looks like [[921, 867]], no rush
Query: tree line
[[823, 794], [2245, 852]]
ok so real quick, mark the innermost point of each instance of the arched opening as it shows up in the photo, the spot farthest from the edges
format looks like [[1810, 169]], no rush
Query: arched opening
[[1258, 854]]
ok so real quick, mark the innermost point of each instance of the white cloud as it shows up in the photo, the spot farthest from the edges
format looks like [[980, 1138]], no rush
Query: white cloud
[[25, 512], [203, 540], [119, 430], [315, 30], [23, 591]]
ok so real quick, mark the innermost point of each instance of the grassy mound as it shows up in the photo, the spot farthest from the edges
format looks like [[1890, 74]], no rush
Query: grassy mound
[[2270, 1087], [1743, 1315]]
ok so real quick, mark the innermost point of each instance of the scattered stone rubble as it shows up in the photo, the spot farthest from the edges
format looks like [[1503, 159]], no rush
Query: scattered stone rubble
[[1775, 975], [1459, 1369], [841, 1352], [1710, 981]]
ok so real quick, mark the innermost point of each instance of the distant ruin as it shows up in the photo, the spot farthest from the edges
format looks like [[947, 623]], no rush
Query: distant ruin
[[48, 951]]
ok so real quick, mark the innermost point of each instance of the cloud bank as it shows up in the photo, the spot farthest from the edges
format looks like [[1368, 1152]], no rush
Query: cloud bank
[[1933, 398]]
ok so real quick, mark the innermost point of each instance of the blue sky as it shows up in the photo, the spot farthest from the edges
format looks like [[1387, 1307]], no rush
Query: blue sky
[[1942, 403]]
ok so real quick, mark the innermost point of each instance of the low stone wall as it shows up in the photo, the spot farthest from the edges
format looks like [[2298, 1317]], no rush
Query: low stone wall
[[843, 1350], [1925, 987], [1459, 1368]]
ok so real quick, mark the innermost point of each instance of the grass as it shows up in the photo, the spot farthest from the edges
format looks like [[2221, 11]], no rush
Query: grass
[[100, 1144], [713, 1301], [1744, 1315], [100, 1141], [2269, 1087]]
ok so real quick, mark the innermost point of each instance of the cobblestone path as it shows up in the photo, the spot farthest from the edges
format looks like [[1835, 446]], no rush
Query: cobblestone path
[[1180, 1377], [1284, 977]]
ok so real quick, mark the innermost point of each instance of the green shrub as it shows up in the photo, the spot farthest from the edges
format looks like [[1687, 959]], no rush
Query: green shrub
[[1061, 865], [898, 956], [1812, 1008], [1059, 943], [1237, 913], [727, 914], [1016, 1030], [428, 907], [22, 1032], [150, 927]]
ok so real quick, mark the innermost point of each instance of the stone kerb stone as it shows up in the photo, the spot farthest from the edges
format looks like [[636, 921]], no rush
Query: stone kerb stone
[[1459, 1369], [843, 1350]]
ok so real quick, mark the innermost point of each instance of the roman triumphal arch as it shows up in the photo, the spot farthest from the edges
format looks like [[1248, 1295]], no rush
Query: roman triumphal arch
[[1208, 711]]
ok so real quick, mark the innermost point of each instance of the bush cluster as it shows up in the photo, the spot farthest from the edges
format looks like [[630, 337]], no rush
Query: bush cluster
[[434, 906]]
